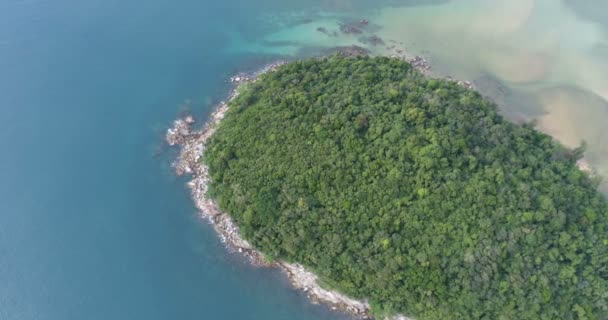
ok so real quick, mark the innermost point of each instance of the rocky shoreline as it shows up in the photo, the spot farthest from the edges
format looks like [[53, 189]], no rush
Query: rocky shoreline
[[192, 144]]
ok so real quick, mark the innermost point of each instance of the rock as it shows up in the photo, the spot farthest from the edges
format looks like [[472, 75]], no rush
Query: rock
[[466, 84], [420, 63], [239, 78], [189, 119], [374, 40], [583, 165], [353, 51], [350, 29], [177, 134]]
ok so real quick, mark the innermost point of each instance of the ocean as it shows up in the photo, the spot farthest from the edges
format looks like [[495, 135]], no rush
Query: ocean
[[93, 222]]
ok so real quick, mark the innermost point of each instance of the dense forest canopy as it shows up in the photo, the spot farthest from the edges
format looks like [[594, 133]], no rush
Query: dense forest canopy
[[411, 192]]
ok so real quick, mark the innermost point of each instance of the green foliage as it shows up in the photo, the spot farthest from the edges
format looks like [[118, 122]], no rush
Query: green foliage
[[414, 193]]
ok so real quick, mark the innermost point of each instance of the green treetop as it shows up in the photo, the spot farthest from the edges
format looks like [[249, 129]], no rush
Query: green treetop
[[411, 192]]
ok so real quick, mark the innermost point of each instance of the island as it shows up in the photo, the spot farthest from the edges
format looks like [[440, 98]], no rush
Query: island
[[399, 194]]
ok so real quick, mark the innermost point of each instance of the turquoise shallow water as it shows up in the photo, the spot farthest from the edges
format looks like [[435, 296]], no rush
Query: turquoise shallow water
[[93, 223]]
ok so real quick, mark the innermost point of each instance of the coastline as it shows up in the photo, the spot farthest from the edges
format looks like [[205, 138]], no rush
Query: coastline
[[192, 146]]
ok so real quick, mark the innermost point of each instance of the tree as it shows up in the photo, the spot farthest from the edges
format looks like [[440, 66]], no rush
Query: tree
[[411, 192]]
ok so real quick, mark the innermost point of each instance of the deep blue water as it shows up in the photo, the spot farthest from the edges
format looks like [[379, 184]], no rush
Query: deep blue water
[[93, 223]]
